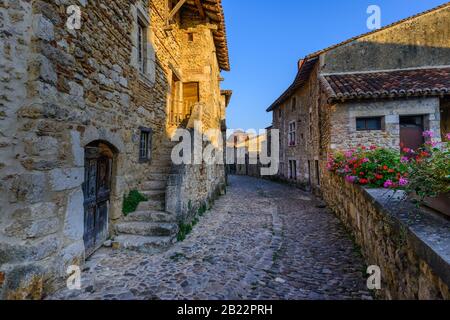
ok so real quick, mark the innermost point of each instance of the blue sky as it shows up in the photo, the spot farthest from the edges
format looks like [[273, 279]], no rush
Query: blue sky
[[266, 39]]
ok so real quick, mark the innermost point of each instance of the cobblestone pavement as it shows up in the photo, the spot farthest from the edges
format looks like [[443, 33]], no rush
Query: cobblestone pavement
[[262, 240]]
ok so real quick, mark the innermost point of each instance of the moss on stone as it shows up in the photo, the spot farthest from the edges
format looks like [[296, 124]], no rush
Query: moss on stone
[[131, 202]]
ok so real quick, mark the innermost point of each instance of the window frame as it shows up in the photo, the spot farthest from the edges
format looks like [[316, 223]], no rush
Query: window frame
[[142, 45], [292, 134], [148, 132], [366, 127], [292, 174]]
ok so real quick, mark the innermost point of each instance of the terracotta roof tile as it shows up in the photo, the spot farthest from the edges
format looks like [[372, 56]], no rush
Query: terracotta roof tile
[[387, 84], [303, 74]]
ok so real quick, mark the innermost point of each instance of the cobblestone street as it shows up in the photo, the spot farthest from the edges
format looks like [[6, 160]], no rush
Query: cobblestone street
[[262, 240]]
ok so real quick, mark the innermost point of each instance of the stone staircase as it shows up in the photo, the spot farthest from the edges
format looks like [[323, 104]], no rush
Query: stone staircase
[[150, 229]]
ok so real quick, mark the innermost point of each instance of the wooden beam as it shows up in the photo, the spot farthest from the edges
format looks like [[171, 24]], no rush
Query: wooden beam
[[175, 9], [200, 9]]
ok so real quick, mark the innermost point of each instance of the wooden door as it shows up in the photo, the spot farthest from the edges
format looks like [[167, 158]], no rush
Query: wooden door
[[411, 132], [191, 96], [97, 192]]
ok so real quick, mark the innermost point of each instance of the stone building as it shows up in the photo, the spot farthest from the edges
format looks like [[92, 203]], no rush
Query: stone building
[[87, 115], [244, 152], [385, 87]]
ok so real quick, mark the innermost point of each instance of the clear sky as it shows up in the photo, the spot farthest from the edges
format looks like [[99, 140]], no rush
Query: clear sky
[[266, 39]]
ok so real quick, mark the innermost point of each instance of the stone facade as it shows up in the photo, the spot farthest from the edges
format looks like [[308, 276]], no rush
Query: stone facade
[[323, 127], [410, 252], [64, 89], [301, 110], [343, 117]]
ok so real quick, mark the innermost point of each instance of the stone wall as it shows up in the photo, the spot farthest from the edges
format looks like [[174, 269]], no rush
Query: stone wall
[[192, 186], [408, 244], [63, 89], [343, 116], [422, 41], [306, 116]]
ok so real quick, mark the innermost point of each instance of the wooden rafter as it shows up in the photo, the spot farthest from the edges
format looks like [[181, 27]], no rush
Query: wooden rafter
[[175, 9], [200, 9]]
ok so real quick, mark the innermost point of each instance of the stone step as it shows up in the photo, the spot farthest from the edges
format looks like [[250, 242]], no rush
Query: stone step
[[152, 205], [157, 194], [158, 176], [160, 169], [148, 229], [154, 185], [151, 216], [143, 244]]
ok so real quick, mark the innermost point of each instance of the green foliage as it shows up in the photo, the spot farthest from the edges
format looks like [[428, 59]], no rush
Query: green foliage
[[202, 210], [374, 167], [430, 177], [131, 202], [184, 231]]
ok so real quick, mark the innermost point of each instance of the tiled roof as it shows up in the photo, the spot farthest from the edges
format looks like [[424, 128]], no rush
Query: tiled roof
[[387, 84], [303, 74]]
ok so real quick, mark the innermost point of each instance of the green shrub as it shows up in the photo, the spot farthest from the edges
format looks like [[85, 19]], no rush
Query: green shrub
[[131, 202], [430, 175], [184, 231]]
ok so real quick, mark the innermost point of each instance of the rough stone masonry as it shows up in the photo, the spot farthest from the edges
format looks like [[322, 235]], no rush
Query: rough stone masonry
[[64, 91]]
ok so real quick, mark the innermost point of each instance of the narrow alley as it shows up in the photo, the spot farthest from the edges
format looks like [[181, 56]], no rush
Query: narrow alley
[[262, 240]]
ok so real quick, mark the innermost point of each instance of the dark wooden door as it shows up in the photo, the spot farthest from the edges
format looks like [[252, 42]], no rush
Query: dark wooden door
[[411, 132], [97, 191]]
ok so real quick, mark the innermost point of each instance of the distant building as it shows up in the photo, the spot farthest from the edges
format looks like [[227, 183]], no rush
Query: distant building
[[385, 88]]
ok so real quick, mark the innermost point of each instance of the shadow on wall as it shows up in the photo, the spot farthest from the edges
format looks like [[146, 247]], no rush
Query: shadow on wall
[[370, 56]]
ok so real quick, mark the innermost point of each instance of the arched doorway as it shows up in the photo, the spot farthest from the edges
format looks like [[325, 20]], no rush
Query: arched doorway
[[99, 157]]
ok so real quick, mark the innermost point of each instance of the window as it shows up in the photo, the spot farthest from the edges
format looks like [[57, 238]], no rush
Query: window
[[190, 37], [292, 134], [142, 46], [293, 169], [280, 114], [294, 104], [317, 172], [310, 125], [368, 124], [145, 144], [191, 96]]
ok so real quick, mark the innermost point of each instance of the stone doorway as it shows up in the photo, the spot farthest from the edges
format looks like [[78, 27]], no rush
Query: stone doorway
[[97, 193]]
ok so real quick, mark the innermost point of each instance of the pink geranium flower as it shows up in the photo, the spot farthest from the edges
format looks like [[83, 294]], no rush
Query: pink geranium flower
[[403, 182], [388, 184], [404, 160], [432, 144], [448, 136], [350, 179], [349, 154], [428, 134]]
